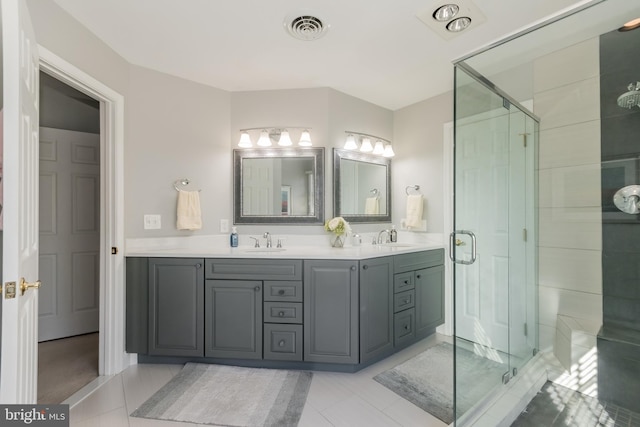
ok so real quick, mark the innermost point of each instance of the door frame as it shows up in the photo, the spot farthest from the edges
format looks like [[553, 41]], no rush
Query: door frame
[[112, 356]]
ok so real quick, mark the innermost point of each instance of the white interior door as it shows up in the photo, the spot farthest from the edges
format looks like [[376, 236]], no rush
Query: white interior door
[[482, 206], [18, 375], [69, 233]]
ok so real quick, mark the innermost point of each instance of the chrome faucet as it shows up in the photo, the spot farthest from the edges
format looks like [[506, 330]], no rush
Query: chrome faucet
[[379, 240], [267, 236]]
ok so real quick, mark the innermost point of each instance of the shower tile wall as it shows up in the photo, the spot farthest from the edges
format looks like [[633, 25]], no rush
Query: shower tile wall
[[566, 98], [619, 341]]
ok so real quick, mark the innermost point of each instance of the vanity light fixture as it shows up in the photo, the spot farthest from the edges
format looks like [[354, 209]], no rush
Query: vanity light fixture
[[270, 135], [366, 146], [382, 147]]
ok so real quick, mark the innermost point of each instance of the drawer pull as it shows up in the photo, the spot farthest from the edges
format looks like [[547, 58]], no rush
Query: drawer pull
[[406, 327], [281, 292], [406, 282], [281, 343], [418, 276], [364, 267], [257, 289], [281, 313], [406, 301]]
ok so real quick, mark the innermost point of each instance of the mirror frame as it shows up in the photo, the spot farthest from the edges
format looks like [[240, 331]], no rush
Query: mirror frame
[[338, 155], [239, 155]]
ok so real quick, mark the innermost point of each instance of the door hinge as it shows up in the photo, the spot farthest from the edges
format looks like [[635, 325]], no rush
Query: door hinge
[[526, 332], [114, 250], [524, 234], [524, 139]]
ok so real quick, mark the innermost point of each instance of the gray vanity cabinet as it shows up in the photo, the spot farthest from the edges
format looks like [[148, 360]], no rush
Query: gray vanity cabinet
[[419, 295], [429, 299], [176, 314], [233, 319], [376, 308], [331, 311], [234, 307]]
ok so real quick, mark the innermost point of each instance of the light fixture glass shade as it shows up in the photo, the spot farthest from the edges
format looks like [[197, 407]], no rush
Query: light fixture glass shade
[[245, 140], [285, 139], [350, 143], [446, 12], [378, 148], [458, 24], [264, 140], [366, 145], [388, 151], [305, 139]]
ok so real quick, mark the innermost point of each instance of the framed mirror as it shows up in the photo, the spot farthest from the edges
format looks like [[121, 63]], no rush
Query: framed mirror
[[361, 186], [278, 186]]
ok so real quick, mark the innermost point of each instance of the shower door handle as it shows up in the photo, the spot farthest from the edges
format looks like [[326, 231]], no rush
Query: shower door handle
[[453, 242]]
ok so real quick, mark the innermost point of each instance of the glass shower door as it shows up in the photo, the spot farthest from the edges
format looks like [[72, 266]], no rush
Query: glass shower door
[[490, 241]]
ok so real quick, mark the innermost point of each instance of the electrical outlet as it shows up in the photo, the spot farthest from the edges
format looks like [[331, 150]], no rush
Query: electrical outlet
[[224, 225], [152, 222], [423, 225]]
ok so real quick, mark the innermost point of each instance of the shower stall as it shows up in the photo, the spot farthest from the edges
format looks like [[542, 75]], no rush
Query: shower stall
[[493, 246]]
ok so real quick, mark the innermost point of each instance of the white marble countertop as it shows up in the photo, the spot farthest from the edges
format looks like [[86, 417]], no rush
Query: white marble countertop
[[294, 247]]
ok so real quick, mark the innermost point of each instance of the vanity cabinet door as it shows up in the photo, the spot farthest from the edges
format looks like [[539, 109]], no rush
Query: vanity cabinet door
[[331, 311], [233, 319], [429, 300], [376, 308], [176, 314]]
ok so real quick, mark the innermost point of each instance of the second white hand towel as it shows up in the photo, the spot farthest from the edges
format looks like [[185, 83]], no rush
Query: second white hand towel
[[414, 211], [189, 215]]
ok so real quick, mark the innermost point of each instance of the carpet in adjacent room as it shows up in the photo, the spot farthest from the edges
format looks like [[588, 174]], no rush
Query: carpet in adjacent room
[[230, 396]]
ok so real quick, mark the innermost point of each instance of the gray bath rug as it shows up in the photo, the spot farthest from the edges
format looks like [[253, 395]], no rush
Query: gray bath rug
[[230, 396], [426, 380]]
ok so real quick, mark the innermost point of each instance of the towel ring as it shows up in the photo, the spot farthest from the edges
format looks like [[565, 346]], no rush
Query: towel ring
[[177, 184], [375, 192], [414, 187]]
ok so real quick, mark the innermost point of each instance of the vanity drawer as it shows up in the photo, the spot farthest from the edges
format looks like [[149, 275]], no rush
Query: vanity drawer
[[404, 325], [403, 282], [418, 260], [282, 342], [280, 290], [283, 312], [253, 269], [404, 300]]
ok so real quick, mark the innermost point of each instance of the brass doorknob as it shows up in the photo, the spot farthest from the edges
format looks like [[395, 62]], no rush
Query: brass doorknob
[[24, 285]]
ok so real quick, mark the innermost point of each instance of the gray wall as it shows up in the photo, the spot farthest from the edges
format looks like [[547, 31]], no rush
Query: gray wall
[[418, 144], [179, 129], [62, 107]]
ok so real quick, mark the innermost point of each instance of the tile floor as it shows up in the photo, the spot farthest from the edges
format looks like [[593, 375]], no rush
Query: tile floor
[[335, 399]]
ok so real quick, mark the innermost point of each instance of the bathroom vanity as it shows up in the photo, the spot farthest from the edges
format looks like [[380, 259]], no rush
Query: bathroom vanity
[[339, 310]]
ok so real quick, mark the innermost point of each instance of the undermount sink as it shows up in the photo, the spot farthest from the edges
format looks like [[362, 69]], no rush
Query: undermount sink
[[265, 250], [397, 245]]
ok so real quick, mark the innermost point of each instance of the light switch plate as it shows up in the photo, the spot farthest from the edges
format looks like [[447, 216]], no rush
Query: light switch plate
[[152, 222], [224, 225]]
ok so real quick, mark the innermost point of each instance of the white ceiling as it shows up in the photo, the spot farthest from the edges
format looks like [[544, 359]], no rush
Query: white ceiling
[[376, 50]]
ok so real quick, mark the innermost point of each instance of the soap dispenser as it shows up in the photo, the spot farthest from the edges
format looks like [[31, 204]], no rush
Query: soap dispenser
[[233, 239], [393, 234]]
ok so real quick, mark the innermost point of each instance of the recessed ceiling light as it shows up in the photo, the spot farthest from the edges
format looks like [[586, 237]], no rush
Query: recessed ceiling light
[[459, 24], [446, 12], [631, 25]]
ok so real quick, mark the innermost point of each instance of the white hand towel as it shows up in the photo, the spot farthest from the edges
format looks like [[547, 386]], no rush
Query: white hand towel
[[189, 215], [371, 206], [414, 211]]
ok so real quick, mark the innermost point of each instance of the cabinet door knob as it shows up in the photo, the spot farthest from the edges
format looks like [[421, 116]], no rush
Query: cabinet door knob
[[353, 268], [406, 327], [406, 301], [406, 282], [364, 267], [281, 314], [281, 292], [257, 289], [281, 343], [198, 265], [418, 276]]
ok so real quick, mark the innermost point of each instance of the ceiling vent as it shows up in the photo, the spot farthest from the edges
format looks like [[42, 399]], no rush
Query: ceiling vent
[[306, 27]]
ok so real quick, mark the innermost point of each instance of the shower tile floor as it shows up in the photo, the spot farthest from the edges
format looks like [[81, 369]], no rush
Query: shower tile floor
[[556, 405]]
